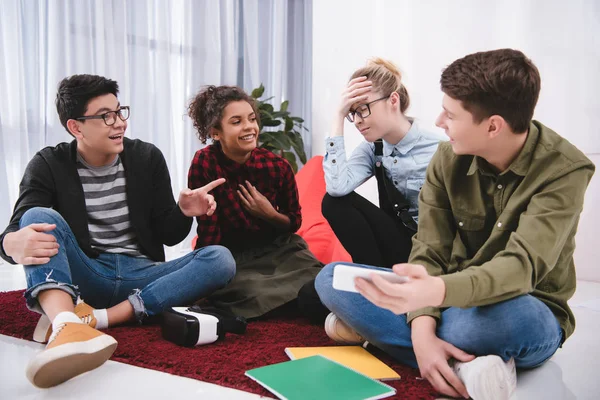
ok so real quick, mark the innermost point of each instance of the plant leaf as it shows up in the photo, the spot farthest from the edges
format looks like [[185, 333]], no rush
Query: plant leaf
[[298, 145], [283, 138], [280, 142], [268, 146], [291, 158], [287, 141], [289, 124], [265, 137], [258, 92], [280, 114], [268, 108], [271, 122], [265, 114]]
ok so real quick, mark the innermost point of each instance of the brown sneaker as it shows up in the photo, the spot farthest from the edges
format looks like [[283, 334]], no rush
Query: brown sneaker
[[338, 331], [72, 350], [43, 329]]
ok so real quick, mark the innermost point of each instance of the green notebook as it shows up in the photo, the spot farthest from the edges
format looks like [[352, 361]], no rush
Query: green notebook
[[316, 378]]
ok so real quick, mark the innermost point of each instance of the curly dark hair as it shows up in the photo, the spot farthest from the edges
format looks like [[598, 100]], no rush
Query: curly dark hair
[[206, 109]]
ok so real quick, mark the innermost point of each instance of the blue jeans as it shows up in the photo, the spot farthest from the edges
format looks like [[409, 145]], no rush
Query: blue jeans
[[523, 327], [150, 286]]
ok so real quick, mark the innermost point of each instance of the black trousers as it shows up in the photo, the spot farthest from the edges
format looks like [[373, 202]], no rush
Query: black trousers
[[368, 233]]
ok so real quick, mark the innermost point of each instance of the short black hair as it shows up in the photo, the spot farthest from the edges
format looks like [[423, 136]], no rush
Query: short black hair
[[75, 93]]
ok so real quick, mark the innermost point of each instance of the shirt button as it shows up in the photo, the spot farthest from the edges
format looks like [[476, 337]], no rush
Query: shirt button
[[499, 186], [395, 160], [333, 161], [499, 224], [460, 223]]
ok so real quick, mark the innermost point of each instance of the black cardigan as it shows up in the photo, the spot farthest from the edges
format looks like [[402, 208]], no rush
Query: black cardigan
[[51, 180]]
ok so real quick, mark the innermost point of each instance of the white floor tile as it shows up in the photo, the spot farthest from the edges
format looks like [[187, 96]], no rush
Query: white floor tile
[[113, 380], [573, 372]]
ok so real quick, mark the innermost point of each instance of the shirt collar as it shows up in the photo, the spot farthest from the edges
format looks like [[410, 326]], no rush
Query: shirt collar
[[474, 166], [520, 165], [407, 142], [228, 163]]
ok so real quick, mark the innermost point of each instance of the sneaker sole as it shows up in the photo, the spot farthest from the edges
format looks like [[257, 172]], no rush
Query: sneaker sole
[[59, 364], [42, 330], [329, 323], [334, 335]]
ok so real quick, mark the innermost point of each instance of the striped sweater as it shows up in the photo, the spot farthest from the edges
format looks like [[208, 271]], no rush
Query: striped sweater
[[51, 180], [105, 194]]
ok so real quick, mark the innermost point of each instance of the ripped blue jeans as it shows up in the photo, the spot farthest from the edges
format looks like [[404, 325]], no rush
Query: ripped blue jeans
[[150, 286]]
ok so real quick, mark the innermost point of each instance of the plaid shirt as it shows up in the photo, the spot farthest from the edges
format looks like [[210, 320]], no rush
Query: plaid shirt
[[231, 225]]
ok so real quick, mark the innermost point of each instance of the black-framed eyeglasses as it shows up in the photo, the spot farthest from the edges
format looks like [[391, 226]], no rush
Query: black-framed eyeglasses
[[109, 117], [363, 111]]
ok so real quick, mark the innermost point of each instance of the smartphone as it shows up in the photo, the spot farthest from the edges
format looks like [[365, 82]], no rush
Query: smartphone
[[343, 276]]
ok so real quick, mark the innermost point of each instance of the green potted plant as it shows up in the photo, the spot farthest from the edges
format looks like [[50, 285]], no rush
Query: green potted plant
[[279, 131]]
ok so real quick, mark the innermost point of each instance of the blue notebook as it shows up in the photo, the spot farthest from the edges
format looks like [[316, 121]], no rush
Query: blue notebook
[[317, 378]]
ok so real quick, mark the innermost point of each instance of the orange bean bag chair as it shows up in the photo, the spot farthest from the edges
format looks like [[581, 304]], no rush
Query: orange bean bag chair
[[315, 229]]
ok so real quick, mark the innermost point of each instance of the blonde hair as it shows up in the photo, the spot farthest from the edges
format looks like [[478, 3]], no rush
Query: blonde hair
[[386, 78]]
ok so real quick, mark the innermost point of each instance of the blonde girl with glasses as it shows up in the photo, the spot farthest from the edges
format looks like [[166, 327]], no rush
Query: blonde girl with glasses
[[375, 101]]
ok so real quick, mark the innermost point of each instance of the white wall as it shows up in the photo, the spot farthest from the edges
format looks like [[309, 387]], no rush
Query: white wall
[[422, 37]]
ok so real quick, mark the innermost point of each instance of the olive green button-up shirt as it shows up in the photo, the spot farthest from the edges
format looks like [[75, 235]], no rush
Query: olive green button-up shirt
[[494, 236]]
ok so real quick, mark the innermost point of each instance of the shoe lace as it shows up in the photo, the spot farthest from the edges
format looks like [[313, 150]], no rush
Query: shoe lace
[[86, 319], [55, 332]]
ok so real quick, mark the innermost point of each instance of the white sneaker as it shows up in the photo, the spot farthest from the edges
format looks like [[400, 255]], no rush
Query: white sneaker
[[338, 331], [488, 377]]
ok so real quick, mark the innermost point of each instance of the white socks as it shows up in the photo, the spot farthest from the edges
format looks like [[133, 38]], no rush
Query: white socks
[[65, 317], [101, 318]]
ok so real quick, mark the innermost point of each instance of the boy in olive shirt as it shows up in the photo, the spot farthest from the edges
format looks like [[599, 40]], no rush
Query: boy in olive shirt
[[491, 267]]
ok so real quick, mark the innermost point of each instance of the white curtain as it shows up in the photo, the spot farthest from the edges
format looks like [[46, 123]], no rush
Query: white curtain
[[161, 52]]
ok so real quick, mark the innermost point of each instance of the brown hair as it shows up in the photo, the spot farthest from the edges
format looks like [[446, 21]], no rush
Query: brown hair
[[206, 109], [499, 82], [386, 78]]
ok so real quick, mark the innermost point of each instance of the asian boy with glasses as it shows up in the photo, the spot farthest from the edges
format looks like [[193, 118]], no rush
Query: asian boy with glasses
[[91, 220]]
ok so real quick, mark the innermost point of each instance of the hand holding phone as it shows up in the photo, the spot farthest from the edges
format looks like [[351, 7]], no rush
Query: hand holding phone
[[344, 276]]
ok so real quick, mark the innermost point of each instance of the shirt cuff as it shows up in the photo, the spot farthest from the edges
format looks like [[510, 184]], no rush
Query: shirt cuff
[[334, 144], [430, 311], [180, 216], [5, 256], [459, 290]]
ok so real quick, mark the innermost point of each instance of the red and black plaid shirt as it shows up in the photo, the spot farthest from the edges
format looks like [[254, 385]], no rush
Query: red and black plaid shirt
[[231, 225]]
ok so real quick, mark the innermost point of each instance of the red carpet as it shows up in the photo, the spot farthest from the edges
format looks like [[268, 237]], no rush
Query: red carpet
[[223, 363]]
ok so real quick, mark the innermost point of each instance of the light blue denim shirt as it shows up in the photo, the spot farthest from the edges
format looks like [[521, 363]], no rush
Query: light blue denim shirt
[[404, 163]]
